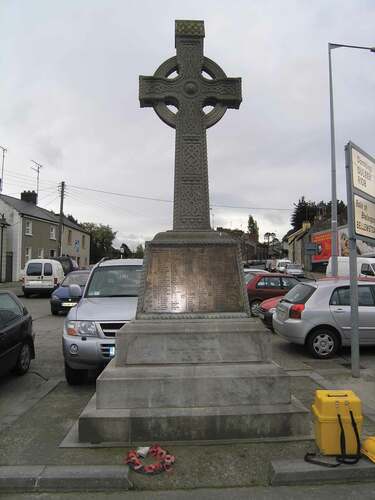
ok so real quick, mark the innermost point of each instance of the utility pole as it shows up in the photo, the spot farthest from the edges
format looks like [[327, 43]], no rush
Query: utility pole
[[2, 169], [61, 223], [37, 169]]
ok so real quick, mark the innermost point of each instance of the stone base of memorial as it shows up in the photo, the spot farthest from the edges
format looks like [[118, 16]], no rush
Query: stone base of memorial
[[193, 365]]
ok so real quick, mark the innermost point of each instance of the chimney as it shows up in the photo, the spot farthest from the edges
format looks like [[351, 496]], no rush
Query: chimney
[[29, 197]]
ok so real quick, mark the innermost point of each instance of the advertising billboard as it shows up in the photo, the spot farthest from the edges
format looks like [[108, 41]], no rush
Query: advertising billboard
[[323, 244]]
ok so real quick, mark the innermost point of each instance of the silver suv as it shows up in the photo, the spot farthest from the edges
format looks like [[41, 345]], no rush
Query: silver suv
[[317, 315], [108, 302]]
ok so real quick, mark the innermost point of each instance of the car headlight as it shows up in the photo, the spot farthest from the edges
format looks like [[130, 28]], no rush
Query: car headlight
[[85, 328], [55, 297]]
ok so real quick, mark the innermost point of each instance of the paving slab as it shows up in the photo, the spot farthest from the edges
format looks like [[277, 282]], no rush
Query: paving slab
[[295, 472]]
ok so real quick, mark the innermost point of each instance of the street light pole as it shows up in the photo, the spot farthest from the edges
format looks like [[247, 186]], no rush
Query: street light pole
[[334, 237], [2, 169], [3, 224]]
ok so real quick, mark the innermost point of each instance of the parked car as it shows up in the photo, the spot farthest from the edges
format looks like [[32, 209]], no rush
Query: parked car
[[250, 272], [264, 286], [266, 310], [365, 266], [41, 276], [281, 265], [317, 315], [108, 302], [16, 336], [294, 270], [61, 300]]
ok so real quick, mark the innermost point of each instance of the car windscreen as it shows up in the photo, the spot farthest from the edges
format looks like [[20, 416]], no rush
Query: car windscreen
[[34, 269], [299, 294], [293, 266], [114, 281], [76, 279]]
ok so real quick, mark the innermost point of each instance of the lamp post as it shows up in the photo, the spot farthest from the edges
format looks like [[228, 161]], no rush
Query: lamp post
[[2, 169], [334, 238], [3, 224]]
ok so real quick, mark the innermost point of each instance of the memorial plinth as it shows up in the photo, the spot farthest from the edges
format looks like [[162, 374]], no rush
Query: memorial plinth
[[193, 365]]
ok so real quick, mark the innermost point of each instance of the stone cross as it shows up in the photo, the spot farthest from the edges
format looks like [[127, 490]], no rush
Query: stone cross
[[190, 81]]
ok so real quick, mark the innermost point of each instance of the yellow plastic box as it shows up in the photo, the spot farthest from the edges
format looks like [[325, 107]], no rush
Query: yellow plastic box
[[326, 407]]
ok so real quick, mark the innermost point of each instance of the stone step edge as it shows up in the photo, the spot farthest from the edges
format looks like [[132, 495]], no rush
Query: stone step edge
[[295, 472], [38, 478]]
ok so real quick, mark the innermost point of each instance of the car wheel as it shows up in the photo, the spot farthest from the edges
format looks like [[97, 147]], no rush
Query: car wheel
[[26, 294], [323, 343], [254, 307], [23, 360], [54, 311], [75, 377]]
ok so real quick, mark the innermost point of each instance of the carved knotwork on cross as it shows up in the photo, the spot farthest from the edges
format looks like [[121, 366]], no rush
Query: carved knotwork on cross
[[190, 91]]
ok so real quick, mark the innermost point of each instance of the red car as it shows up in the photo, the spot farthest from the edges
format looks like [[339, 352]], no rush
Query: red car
[[266, 309], [265, 286]]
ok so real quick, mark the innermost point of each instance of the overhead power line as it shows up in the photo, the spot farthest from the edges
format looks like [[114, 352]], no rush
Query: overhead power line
[[124, 195]]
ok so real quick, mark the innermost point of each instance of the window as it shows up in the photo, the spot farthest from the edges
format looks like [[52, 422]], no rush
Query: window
[[29, 228], [52, 253], [69, 237], [52, 232], [299, 294], [83, 241], [269, 282], [9, 309], [34, 269], [115, 281], [366, 269], [47, 269], [288, 282], [40, 253], [341, 296], [28, 254]]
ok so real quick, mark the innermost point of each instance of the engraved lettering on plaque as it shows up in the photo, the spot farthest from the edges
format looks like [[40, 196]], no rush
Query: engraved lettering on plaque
[[192, 280]]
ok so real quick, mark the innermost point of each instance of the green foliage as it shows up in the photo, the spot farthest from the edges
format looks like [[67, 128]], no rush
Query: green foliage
[[310, 211], [139, 252], [101, 240], [235, 233], [252, 228]]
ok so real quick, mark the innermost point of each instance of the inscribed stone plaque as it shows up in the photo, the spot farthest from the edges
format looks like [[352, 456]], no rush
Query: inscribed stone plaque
[[196, 279]]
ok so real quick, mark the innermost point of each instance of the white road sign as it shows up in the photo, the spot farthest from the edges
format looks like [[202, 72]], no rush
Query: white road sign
[[363, 173], [364, 217]]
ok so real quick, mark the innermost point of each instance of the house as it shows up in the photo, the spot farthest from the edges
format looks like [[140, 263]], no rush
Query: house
[[297, 241], [33, 232]]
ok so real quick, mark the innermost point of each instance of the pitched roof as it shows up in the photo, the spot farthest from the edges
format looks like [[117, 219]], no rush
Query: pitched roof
[[26, 208]]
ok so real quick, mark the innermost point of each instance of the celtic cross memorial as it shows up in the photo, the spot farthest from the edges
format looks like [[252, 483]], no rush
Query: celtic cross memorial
[[199, 82]]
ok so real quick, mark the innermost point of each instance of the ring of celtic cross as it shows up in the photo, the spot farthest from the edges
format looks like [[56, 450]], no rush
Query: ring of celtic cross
[[190, 89]]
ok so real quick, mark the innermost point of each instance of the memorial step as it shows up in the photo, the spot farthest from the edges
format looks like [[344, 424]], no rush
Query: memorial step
[[192, 386], [193, 341], [127, 427]]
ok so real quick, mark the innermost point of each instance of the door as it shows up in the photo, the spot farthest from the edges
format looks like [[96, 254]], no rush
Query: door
[[340, 309], [48, 279], [268, 286], [9, 267]]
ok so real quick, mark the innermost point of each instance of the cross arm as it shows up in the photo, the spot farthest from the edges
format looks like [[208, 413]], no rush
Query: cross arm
[[153, 90], [226, 91]]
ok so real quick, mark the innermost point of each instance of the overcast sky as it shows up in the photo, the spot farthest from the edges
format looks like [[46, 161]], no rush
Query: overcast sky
[[69, 100]]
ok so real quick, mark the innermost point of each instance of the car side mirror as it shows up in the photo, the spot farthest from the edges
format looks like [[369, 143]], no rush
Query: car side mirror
[[75, 291]]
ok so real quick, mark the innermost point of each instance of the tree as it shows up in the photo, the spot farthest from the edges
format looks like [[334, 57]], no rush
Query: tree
[[101, 240], [252, 228], [72, 219], [310, 211], [139, 252], [267, 238]]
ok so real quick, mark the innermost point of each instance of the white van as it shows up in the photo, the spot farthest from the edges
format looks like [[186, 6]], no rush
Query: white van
[[365, 266], [41, 276]]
